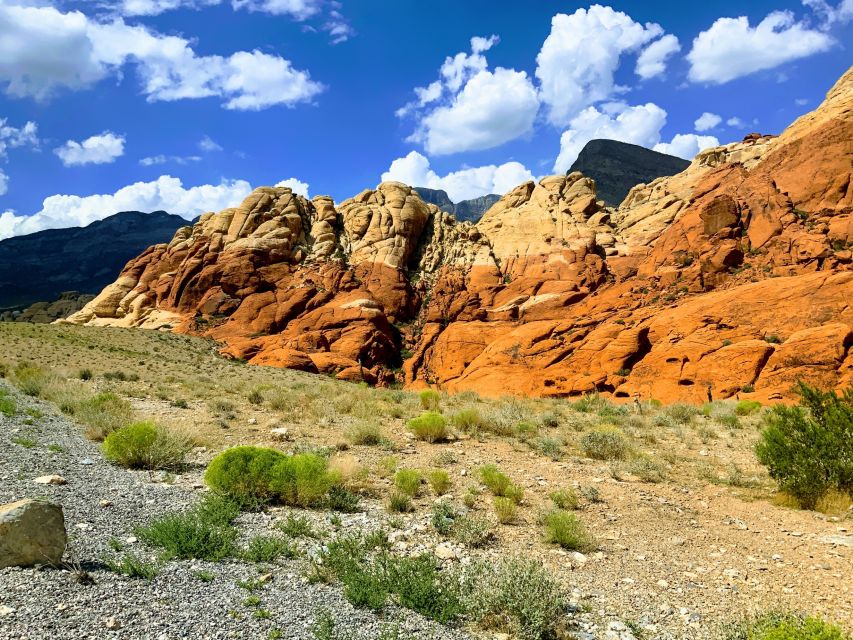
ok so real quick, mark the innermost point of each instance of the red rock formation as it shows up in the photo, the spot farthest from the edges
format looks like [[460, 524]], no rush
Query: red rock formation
[[732, 277]]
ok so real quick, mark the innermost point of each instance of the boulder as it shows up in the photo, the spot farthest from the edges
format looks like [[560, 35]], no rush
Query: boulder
[[31, 533]]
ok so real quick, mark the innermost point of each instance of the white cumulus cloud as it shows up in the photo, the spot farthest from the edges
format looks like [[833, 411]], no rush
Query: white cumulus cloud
[[652, 60], [736, 123], [707, 121], [577, 61], [43, 50], [731, 48], [11, 137], [686, 145], [830, 14], [473, 182], [471, 108], [100, 149], [297, 186], [639, 124], [165, 193]]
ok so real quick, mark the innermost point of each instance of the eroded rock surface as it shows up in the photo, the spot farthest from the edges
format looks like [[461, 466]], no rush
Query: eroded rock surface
[[732, 277]]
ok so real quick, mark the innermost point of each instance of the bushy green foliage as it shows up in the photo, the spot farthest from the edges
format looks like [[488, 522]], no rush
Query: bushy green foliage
[[473, 532], [255, 476], [469, 420], [443, 517], [343, 500], [786, 626], [204, 533], [505, 509], [29, 378], [365, 433], [267, 549], [297, 526], [132, 566], [495, 481], [102, 414], [605, 444], [7, 404], [145, 445], [565, 529], [430, 400], [439, 481], [682, 413], [747, 407], [808, 449], [399, 502], [408, 481], [516, 596], [565, 498], [429, 426]]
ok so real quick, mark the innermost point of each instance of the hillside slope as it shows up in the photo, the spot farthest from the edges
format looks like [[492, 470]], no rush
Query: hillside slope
[[732, 277], [40, 266]]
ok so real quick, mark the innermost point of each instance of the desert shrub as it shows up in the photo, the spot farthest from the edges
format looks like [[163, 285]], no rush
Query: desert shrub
[[565, 529], [506, 510], [204, 533], [605, 444], [565, 499], [408, 481], [365, 433], [8, 406], [591, 493], [786, 626], [430, 400], [590, 403], [468, 420], [255, 396], [551, 447], [473, 531], [429, 426], [244, 474], [102, 414], [145, 445], [399, 502], [747, 407], [525, 430], [443, 516], [30, 378], [495, 481], [267, 549], [682, 413], [85, 374], [297, 526], [808, 449], [132, 566], [550, 419], [253, 476], [387, 466], [439, 481], [514, 595], [343, 500], [647, 470]]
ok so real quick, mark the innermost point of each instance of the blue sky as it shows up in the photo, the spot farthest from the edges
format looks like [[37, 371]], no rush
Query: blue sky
[[187, 104]]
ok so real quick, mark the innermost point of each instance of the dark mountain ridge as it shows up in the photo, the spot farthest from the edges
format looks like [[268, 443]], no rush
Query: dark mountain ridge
[[471, 210]]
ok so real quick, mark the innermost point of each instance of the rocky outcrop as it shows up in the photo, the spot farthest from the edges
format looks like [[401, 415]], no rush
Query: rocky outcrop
[[617, 167], [40, 266], [467, 210], [44, 312], [31, 533], [732, 277]]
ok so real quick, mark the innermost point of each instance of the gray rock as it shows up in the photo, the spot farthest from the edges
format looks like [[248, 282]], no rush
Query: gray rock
[[31, 533]]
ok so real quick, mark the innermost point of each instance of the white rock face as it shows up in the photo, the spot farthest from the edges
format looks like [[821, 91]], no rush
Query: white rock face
[[31, 533]]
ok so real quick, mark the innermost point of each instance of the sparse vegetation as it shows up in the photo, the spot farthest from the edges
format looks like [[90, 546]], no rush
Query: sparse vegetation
[[408, 481], [145, 445], [429, 426], [566, 530], [565, 499], [786, 626], [132, 566], [506, 510], [605, 444], [439, 481], [430, 400], [267, 549]]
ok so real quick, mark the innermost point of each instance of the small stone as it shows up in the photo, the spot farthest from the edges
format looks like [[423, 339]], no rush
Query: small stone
[[87, 461], [5, 611], [61, 606], [265, 578], [663, 584], [51, 479], [445, 552], [253, 421], [112, 624], [280, 433], [105, 503], [131, 540], [578, 558], [83, 525]]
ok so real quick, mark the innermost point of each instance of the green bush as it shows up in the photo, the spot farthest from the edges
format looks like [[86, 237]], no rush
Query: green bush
[[682, 413], [399, 502], [505, 509], [786, 626], [747, 407], [473, 532], [133, 567], [439, 481], [468, 420], [516, 596], [808, 449], [267, 549], [7, 404], [430, 400], [495, 481], [204, 533], [565, 499], [564, 529], [429, 426], [408, 481], [254, 476], [443, 516], [343, 500], [102, 414], [605, 444], [145, 445], [30, 378], [366, 434]]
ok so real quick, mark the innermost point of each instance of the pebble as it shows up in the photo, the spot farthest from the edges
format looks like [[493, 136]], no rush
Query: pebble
[[51, 479]]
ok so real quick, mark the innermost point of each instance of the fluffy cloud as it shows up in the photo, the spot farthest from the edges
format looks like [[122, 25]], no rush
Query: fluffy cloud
[[414, 169], [616, 121], [687, 145], [652, 61], [470, 107], [11, 137], [167, 193], [100, 149], [577, 61], [4, 184], [43, 50], [297, 186], [731, 48], [830, 15], [707, 121], [736, 123], [156, 7], [208, 144]]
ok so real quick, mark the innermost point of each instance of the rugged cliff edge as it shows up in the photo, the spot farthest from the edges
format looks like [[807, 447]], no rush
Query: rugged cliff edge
[[731, 277]]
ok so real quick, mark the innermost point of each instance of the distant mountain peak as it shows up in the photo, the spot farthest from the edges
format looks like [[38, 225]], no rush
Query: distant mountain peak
[[617, 166], [471, 210]]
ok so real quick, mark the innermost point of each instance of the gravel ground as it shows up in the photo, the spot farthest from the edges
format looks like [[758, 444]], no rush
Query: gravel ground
[[51, 603]]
